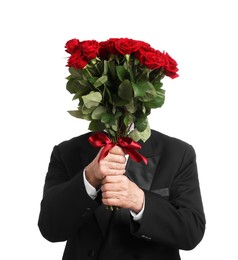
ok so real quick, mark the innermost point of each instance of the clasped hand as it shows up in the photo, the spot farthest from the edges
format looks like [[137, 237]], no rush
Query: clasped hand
[[117, 189]]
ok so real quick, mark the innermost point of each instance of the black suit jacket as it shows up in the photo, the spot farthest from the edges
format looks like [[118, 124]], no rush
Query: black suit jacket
[[173, 217]]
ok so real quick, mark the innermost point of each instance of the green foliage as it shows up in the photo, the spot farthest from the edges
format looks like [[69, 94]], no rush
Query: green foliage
[[116, 93], [136, 135], [92, 99], [125, 90]]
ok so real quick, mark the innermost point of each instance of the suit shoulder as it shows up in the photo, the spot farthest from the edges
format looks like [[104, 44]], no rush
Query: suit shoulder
[[170, 141], [174, 149], [81, 140], [77, 147]]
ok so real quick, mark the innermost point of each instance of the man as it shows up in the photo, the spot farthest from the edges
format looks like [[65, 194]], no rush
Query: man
[[159, 204]]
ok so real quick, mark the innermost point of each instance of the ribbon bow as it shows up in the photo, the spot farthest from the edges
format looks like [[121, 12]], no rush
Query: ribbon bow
[[126, 143]]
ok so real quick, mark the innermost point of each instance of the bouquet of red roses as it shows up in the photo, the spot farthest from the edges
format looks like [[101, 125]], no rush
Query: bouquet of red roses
[[117, 83]]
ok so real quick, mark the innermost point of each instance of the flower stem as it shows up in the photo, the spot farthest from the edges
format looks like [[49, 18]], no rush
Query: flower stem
[[89, 73]]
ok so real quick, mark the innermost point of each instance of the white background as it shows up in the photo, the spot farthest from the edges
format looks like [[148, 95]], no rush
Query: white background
[[200, 108]]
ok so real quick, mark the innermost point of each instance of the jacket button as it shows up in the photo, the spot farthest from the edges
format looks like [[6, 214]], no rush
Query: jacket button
[[91, 253]]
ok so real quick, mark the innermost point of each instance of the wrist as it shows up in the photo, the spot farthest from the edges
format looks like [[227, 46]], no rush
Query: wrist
[[94, 181], [138, 205]]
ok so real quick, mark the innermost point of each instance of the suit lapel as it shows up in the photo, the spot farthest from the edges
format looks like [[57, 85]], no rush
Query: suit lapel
[[140, 173]]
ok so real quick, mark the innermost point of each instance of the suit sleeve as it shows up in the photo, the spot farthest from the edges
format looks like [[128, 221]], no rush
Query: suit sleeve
[[178, 222], [65, 205]]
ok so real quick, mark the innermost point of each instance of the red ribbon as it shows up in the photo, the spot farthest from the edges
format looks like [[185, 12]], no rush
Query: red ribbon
[[126, 143]]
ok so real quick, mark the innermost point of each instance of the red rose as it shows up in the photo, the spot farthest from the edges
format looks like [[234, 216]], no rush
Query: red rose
[[127, 46], [107, 47], [72, 45], [89, 49], [153, 59], [144, 48], [170, 67], [76, 61]]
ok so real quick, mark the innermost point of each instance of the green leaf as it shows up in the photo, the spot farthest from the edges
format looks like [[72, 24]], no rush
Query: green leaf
[[140, 88], [87, 111], [100, 81], [114, 127], [81, 91], [111, 132], [119, 102], [96, 126], [128, 119], [83, 82], [85, 75], [125, 90], [71, 87], [74, 85], [79, 114], [92, 99], [143, 109], [117, 115], [149, 92], [131, 107], [141, 123], [147, 97], [150, 88], [98, 112], [121, 72], [110, 119], [136, 135], [157, 101], [106, 118], [158, 85], [75, 72]]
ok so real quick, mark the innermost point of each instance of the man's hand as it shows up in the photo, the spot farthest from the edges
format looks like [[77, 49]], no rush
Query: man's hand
[[119, 191], [112, 165]]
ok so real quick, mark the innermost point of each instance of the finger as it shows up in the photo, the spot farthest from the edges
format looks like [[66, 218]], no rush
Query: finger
[[114, 179], [116, 166], [111, 168], [109, 187], [110, 195], [117, 150], [111, 157], [110, 202], [111, 172]]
